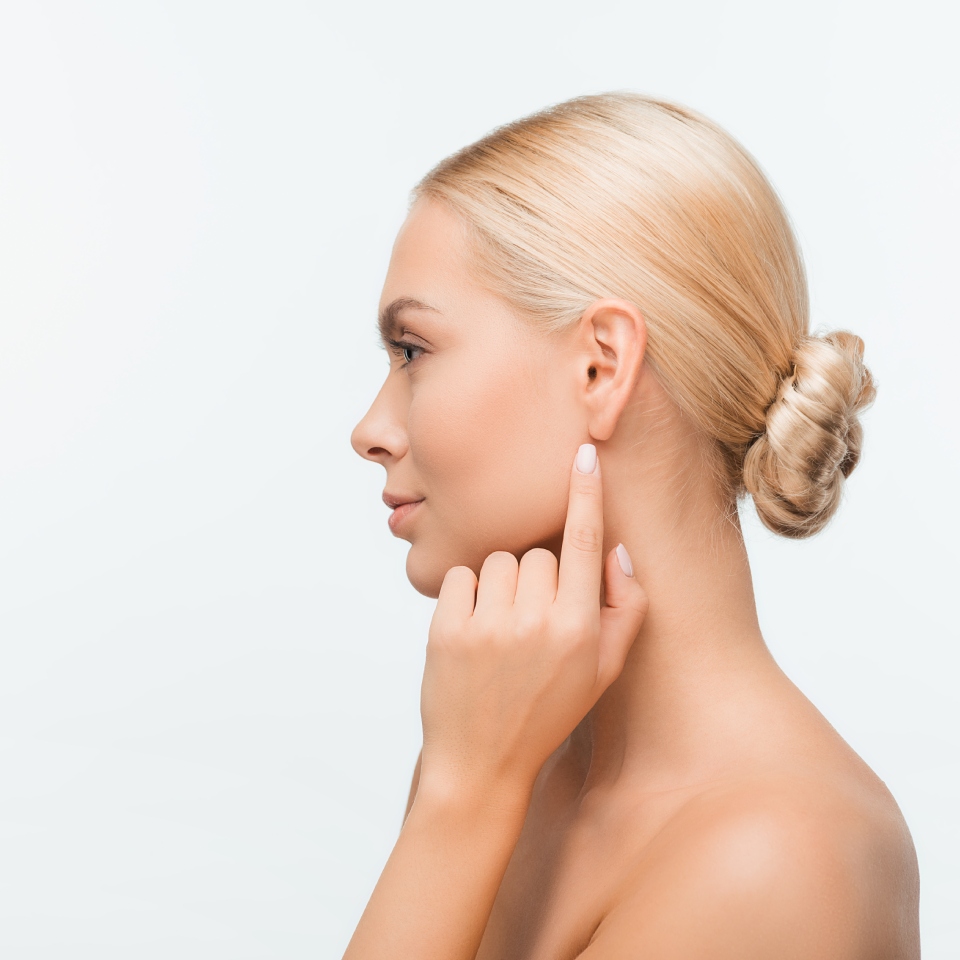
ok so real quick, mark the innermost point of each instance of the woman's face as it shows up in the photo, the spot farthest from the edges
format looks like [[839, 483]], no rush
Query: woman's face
[[477, 416]]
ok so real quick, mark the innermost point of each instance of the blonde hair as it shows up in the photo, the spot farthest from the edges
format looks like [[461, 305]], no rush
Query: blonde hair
[[620, 195]]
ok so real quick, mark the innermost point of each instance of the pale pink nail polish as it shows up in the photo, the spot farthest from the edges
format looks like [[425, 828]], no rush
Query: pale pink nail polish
[[623, 558], [586, 458]]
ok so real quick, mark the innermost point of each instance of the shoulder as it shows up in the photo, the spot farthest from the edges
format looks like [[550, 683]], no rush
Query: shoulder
[[771, 866]]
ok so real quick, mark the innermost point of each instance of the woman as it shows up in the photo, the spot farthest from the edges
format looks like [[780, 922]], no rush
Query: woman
[[613, 765]]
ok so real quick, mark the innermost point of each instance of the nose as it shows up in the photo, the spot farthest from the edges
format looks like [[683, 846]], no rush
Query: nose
[[380, 435]]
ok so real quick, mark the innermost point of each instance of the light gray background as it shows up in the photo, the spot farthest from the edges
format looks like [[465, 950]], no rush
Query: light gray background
[[210, 655]]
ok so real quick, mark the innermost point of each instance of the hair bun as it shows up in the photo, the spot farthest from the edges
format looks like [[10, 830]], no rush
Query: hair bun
[[795, 469]]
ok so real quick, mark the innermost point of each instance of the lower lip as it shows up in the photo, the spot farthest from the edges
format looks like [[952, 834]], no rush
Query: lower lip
[[400, 514]]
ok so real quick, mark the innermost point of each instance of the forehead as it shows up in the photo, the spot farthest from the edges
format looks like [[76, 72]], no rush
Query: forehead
[[432, 266], [429, 255]]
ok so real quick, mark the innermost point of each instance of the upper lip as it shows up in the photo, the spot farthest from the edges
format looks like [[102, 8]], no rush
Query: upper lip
[[395, 499]]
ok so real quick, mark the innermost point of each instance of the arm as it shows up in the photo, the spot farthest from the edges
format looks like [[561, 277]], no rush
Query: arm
[[434, 897], [515, 659]]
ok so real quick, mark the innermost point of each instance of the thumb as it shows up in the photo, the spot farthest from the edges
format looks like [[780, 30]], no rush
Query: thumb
[[621, 617]]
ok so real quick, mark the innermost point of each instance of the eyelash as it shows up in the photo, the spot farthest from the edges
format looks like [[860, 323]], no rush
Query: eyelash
[[399, 346]]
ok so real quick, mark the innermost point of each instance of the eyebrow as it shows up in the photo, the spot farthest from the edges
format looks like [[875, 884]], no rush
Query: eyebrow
[[387, 321]]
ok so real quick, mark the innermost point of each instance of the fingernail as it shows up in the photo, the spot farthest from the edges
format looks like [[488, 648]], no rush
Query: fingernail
[[624, 560], [587, 458]]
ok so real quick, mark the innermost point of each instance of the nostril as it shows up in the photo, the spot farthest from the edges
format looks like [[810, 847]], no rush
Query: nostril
[[360, 441], [378, 438]]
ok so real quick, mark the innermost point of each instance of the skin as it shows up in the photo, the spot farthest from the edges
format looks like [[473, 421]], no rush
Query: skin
[[613, 766]]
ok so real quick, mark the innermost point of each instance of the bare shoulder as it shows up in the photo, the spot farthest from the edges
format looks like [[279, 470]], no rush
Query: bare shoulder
[[772, 865]]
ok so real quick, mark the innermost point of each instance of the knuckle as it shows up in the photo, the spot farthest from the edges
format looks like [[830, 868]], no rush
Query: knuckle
[[472, 637], [438, 640], [582, 628], [529, 624], [569, 627], [637, 599], [451, 641], [589, 488], [585, 538]]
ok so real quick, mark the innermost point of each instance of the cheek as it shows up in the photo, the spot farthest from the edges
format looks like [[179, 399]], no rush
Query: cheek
[[492, 453]]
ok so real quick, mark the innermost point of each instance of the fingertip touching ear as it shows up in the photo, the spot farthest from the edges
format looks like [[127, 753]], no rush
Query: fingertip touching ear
[[613, 341]]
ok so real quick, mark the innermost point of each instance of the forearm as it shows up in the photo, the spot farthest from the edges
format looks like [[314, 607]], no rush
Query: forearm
[[435, 894]]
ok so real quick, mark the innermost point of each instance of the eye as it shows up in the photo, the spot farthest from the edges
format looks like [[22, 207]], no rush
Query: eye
[[400, 348]]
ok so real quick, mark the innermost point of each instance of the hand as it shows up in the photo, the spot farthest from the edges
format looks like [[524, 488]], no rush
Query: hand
[[517, 659]]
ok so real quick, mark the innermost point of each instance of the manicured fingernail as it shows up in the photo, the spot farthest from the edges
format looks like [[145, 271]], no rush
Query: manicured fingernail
[[587, 458], [624, 559]]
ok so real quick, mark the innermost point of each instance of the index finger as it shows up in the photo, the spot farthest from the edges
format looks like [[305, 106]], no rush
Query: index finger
[[581, 564]]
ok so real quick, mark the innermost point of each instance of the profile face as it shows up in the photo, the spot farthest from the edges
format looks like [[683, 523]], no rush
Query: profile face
[[477, 415]]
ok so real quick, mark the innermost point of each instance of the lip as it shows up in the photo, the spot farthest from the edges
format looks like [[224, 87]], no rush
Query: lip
[[396, 499], [401, 514]]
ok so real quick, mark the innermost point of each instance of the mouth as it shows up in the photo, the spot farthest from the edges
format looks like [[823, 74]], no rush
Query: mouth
[[397, 500], [401, 513]]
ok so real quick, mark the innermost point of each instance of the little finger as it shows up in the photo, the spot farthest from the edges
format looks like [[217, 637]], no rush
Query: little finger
[[455, 602]]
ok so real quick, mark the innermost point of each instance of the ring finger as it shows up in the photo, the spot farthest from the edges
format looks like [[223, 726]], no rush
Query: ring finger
[[497, 584], [536, 579]]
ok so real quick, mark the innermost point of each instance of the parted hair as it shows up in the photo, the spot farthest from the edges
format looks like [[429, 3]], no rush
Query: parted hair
[[620, 195]]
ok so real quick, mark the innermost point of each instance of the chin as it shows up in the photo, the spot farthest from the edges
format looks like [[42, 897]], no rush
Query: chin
[[426, 568], [425, 578]]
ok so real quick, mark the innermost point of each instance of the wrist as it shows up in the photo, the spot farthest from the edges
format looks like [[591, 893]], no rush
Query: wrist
[[488, 797]]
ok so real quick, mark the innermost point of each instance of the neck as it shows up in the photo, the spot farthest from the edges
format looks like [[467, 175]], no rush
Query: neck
[[692, 676]]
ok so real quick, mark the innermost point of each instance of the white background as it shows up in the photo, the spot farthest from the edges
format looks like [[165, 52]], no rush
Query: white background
[[210, 655]]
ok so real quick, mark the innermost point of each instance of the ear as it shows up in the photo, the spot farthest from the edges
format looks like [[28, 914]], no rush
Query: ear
[[611, 343]]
